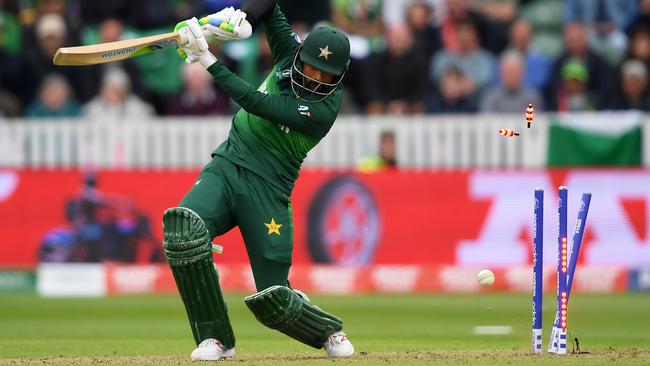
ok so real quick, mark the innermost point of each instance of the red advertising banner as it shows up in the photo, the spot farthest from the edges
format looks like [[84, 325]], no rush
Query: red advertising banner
[[157, 278], [467, 218]]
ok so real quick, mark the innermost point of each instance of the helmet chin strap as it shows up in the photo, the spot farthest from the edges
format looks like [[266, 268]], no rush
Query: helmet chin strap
[[301, 91]]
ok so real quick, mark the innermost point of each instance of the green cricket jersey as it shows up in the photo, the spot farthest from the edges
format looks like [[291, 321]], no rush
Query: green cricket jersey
[[274, 130]]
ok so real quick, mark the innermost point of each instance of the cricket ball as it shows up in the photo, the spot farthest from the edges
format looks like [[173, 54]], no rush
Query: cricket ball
[[485, 277]]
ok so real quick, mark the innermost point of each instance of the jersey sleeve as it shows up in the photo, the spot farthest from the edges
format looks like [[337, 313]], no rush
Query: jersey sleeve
[[281, 38], [257, 11], [310, 119]]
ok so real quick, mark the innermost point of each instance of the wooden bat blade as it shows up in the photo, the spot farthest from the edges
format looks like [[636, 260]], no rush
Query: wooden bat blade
[[114, 51]]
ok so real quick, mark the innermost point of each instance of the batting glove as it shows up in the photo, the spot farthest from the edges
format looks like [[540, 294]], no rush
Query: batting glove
[[193, 45], [228, 24]]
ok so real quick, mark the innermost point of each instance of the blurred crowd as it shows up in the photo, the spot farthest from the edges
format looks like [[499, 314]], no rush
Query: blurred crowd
[[407, 56]]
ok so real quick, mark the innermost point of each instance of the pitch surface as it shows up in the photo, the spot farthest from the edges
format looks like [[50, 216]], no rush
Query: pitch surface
[[385, 329]]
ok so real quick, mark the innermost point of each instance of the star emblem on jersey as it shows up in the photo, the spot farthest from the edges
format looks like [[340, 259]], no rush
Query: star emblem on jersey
[[273, 227], [325, 52]]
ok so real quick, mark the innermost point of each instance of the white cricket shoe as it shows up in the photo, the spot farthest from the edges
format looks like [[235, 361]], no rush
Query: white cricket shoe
[[211, 350], [338, 345]]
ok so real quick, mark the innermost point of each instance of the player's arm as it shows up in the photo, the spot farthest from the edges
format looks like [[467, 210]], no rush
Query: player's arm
[[278, 32], [311, 119], [314, 121]]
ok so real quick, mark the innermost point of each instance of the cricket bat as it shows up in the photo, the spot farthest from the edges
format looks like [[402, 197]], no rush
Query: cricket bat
[[120, 50], [114, 51]]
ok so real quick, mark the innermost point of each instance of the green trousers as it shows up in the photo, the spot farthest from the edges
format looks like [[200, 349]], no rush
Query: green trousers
[[226, 195]]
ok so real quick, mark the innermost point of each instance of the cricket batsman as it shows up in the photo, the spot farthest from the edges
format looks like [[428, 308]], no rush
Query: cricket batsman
[[249, 180]]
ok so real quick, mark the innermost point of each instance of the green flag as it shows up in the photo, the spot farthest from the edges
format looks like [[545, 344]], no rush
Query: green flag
[[595, 139]]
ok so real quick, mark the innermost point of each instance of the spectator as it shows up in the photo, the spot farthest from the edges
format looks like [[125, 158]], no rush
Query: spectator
[[51, 34], [251, 58], [152, 14], [362, 21], [387, 150], [640, 45], [385, 160], [471, 59], [213, 6], [160, 91], [457, 14], [199, 96], [115, 100], [537, 67], [455, 94], [395, 11], [642, 18], [67, 9], [148, 14], [398, 81], [68, 14], [305, 13], [605, 21], [9, 105], [264, 62], [633, 92], [94, 12], [141, 14], [599, 81], [54, 100], [573, 94], [12, 85], [512, 97], [54, 7], [10, 32], [110, 30], [500, 15], [617, 12], [358, 17], [425, 34]]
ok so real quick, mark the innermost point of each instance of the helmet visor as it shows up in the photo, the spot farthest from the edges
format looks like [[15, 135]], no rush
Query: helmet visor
[[307, 88]]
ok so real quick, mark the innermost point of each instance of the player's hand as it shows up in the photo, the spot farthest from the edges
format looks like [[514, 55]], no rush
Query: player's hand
[[193, 44], [228, 24], [192, 38]]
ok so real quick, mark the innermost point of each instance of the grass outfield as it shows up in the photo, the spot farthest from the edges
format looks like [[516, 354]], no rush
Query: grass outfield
[[385, 329]]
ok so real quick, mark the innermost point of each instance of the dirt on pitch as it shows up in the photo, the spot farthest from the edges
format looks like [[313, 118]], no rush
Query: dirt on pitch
[[502, 357]]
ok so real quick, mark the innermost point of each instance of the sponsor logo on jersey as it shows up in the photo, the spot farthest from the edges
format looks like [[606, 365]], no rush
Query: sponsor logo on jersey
[[304, 110]]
